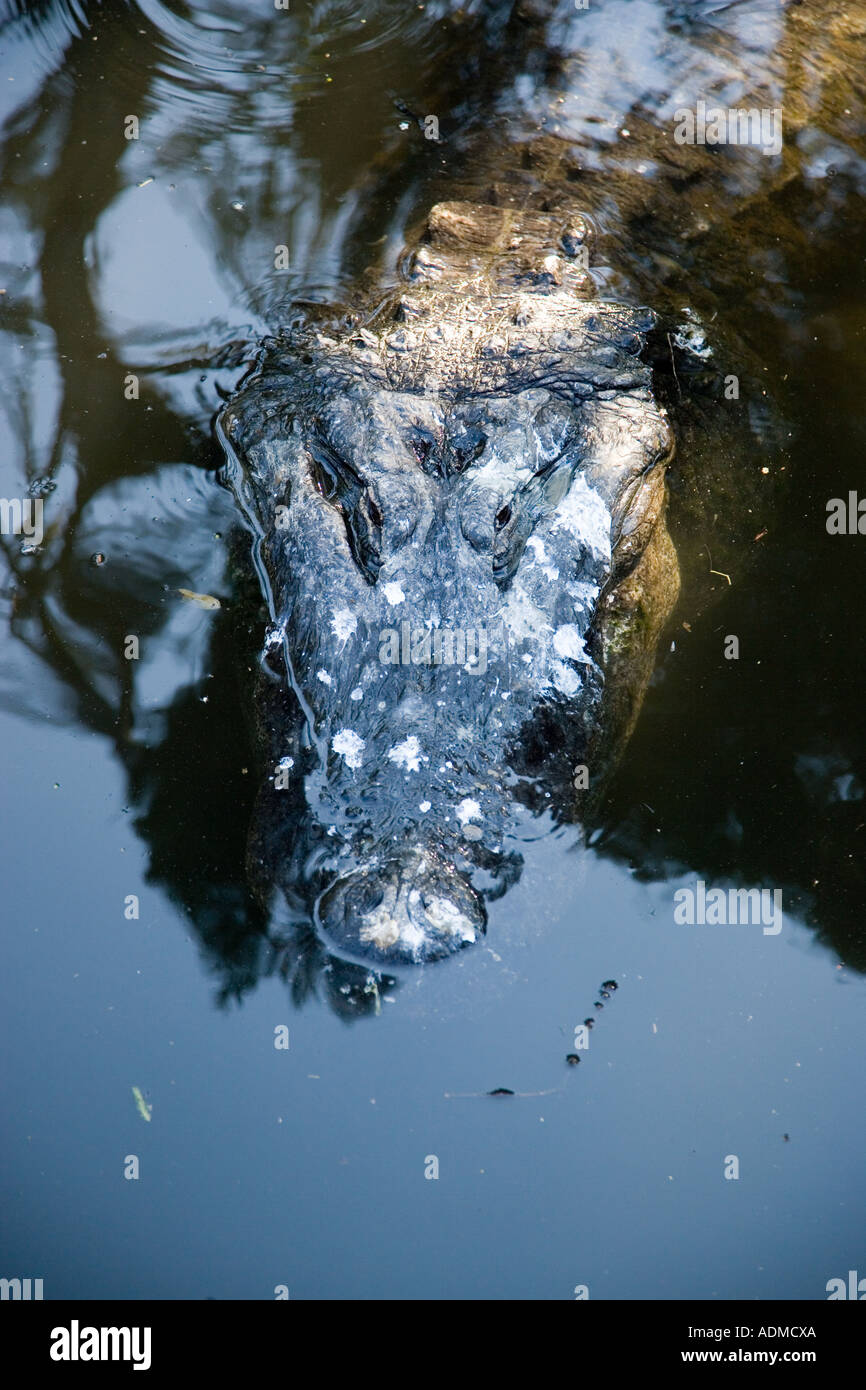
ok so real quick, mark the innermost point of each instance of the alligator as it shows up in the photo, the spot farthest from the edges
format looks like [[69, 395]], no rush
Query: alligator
[[457, 489], [458, 498]]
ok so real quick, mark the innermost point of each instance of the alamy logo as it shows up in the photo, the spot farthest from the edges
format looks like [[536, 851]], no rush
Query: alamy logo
[[737, 906], [856, 1288], [76, 1343], [437, 646], [761, 127], [846, 518], [23, 1289], [22, 517]]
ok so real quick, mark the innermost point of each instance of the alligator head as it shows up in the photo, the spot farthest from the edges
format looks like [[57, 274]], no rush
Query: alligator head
[[459, 512]]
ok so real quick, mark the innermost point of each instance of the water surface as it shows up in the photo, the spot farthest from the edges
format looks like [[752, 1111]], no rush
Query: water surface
[[305, 1167]]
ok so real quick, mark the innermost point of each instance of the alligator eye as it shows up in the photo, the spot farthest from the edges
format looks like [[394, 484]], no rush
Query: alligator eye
[[341, 485], [503, 516], [325, 477]]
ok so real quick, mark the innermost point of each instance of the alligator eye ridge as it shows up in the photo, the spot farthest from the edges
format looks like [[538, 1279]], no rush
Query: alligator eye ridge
[[324, 477], [340, 485]]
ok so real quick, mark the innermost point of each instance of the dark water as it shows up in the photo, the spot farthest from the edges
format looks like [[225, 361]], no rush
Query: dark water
[[306, 1167]]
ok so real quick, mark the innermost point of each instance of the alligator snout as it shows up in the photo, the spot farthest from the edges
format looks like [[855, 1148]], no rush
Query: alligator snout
[[405, 909]]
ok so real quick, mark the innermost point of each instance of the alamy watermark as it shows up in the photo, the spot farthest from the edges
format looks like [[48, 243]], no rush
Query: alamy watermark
[[736, 125], [434, 646], [77, 1343], [22, 517], [855, 1288], [700, 906], [23, 1289], [846, 516]]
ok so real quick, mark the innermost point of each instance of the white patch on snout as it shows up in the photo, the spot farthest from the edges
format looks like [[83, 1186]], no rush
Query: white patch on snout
[[468, 810], [407, 754], [584, 514], [343, 624], [380, 929], [537, 546], [567, 642], [524, 618], [393, 593], [584, 595], [349, 745], [445, 917], [412, 936], [565, 678]]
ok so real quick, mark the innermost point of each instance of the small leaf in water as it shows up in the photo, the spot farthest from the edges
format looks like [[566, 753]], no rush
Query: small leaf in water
[[144, 1109], [203, 600]]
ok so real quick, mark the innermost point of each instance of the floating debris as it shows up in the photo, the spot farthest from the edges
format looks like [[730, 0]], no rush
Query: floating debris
[[144, 1109], [500, 1091], [203, 600]]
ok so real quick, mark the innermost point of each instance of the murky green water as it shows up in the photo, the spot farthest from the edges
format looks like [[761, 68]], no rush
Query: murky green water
[[305, 1167]]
